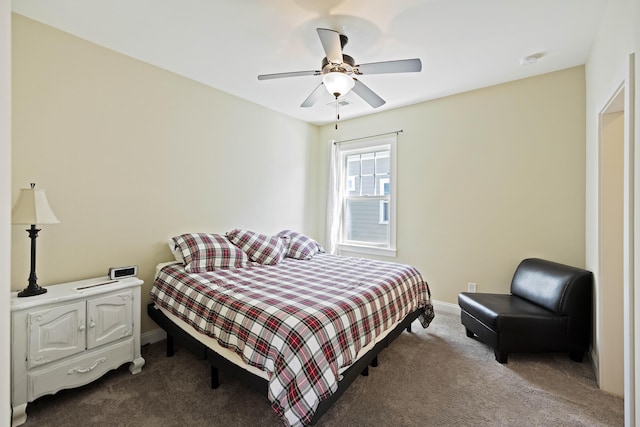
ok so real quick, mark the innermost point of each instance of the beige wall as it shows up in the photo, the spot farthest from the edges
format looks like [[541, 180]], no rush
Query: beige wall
[[5, 209], [131, 155], [487, 178]]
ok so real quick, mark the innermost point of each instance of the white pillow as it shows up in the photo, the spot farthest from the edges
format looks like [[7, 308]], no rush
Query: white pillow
[[175, 250]]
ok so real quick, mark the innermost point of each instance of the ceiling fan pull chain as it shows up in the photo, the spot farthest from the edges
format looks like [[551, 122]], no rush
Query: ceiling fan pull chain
[[337, 112]]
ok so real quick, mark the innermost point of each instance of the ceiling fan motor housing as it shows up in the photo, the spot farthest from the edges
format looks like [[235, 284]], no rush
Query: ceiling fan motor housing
[[347, 66]]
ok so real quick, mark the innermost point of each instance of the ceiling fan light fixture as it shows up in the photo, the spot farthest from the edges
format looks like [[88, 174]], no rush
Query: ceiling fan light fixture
[[338, 83]]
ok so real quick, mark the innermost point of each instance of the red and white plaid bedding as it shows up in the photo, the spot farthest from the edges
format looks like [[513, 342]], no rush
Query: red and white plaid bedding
[[300, 320]]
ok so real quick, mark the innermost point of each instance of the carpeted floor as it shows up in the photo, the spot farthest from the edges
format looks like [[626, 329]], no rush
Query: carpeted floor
[[432, 377]]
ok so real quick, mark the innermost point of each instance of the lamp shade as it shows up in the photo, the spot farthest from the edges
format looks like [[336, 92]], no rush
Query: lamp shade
[[32, 207], [338, 83]]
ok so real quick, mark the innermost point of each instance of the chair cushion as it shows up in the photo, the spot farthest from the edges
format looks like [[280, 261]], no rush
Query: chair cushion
[[508, 313]]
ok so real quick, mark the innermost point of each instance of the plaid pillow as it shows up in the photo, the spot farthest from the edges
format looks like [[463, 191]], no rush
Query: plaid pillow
[[207, 252], [300, 246], [266, 250]]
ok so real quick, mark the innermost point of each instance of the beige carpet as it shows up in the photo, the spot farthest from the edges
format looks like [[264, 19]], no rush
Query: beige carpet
[[432, 377]]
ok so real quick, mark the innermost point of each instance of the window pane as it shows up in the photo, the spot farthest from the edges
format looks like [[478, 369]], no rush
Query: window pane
[[353, 165], [353, 185], [368, 186], [367, 174], [362, 222], [382, 163], [368, 164]]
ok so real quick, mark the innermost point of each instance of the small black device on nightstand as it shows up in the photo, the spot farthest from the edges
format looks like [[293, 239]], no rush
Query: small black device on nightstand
[[122, 272]]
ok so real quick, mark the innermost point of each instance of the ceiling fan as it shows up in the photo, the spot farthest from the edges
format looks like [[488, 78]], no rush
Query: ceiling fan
[[339, 70]]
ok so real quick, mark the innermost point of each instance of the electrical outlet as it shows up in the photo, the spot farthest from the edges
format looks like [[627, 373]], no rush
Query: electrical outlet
[[471, 287]]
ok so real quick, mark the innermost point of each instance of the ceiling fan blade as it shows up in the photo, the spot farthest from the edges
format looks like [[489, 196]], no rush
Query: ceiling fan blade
[[331, 44], [400, 66], [291, 74], [367, 94], [315, 95]]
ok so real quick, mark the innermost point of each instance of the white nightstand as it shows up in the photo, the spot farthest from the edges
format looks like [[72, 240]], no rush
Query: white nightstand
[[72, 335]]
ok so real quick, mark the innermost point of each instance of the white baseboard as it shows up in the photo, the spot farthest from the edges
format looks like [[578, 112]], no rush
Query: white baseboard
[[153, 336], [446, 307], [592, 355]]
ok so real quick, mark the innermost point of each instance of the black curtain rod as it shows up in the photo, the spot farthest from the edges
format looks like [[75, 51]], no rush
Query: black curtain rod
[[370, 136]]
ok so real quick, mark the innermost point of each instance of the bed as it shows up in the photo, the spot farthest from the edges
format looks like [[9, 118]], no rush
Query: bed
[[300, 324]]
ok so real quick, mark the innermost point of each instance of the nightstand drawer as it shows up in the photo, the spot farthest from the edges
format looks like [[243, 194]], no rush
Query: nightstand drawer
[[82, 370]]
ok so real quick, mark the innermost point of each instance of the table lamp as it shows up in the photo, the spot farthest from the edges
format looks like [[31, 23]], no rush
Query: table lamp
[[32, 208]]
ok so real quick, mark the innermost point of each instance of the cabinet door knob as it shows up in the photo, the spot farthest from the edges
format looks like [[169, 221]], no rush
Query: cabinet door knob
[[92, 324], [81, 328]]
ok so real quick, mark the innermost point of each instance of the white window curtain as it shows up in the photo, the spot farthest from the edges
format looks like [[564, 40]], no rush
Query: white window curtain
[[334, 207]]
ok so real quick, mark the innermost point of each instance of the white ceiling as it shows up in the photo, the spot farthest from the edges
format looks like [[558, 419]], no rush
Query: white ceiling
[[463, 44]]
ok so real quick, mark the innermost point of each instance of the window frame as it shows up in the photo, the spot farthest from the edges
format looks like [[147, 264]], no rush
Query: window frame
[[346, 247]]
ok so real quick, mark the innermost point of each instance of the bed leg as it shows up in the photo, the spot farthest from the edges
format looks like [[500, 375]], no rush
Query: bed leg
[[409, 328], [169, 345], [215, 381], [374, 362], [365, 372]]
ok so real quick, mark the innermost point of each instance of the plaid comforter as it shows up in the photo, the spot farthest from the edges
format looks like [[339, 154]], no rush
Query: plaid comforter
[[300, 321]]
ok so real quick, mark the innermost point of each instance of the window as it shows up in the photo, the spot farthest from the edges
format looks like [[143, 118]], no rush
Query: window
[[367, 198]]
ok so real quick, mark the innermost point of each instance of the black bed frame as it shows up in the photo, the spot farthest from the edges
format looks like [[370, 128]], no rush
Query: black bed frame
[[361, 367]]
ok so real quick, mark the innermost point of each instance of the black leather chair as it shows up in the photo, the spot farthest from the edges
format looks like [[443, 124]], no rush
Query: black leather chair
[[549, 310]]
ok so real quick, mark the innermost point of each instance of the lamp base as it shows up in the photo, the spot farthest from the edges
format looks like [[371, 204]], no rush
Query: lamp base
[[32, 291]]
